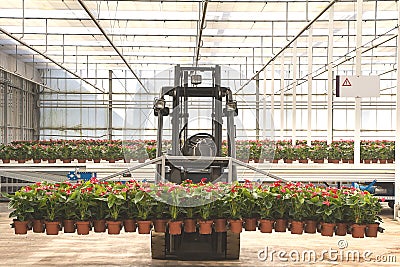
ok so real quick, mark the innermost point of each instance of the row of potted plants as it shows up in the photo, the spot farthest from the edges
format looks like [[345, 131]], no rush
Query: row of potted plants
[[203, 207], [246, 150]]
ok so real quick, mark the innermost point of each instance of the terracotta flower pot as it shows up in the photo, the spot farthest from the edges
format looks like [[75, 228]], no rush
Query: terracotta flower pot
[[38, 226], [236, 226], [250, 224], [51, 161], [275, 161], [303, 161], [21, 227], [296, 227], [382, 161], [335, 161], [367, 161], [374, 160], [21, 161], [288, 161], [6, 160], [129, 225], [114, 227], [81, 160], [160, 225], [175, 227], [52, 228], [372, 230], [266, 226], [280, 225], [111, 160], [69, 226], [390, 160], [341, 229], [220, 225], [345, 160], [37, 160], [82, 227], [310, 227], [358, 230], [327, 229], [189, 225], [318, 161], [99, 226], [96, 160], [144, 227], [66, 160], [205, 227]]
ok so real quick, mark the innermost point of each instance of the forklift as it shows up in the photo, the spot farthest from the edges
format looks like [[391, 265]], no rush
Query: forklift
[[196, 155]]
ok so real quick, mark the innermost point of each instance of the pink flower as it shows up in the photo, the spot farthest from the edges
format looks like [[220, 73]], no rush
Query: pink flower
[[326, 202]]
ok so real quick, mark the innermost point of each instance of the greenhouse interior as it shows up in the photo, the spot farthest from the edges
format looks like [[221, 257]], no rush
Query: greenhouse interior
[[199, 132]]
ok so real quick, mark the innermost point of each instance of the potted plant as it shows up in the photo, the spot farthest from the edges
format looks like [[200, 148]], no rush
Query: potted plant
[[6, 153], [144, 203], [296, 210], [174, 195], [318, 153], [327, 209], [249, 207], [50, 200], [234, 200], [97, 153], [313, 200], [129, 210], [82, 198], [21, 202], [372, 220], [52, 153], [37, 153], [115, 198], [281, 209], [301, 152], [69, 212], [265, 201], [65, 152], [21, 152]]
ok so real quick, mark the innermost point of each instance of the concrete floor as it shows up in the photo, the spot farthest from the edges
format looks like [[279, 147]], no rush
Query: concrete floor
[[131, 249]]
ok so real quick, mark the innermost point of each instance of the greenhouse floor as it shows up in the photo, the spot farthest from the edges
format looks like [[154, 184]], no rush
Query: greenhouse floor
[[131, 249]]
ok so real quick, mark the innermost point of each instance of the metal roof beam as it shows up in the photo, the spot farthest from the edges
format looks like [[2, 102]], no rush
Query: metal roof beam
[[288, 44], [50, 59], [111, 43]]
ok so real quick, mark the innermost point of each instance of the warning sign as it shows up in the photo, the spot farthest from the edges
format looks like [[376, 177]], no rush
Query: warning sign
[[357, 86], [346, 82]]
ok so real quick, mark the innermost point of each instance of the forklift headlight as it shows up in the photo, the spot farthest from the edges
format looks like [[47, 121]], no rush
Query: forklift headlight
[[231, 105], [159, 104]]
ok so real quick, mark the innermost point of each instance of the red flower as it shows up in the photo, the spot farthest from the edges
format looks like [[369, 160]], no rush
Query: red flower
[[278, 196], [326, 202], [383, 199]]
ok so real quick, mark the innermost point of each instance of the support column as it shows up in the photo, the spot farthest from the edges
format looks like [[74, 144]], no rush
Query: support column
[[272, 94], [309, 84], [329, 134], [397, 149], [264, 105], [294, 96], [110, 100], [282, 124], [5, 118], [357, 129], [257, 107]]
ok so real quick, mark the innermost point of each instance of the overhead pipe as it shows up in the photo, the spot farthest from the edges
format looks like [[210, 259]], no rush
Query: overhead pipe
[[287, 45], [111, 43], [48, 58], [199, 41]]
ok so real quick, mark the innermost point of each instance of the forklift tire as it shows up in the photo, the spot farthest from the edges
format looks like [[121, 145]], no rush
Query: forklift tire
[[232, 245], [158, 250], [391, 204]]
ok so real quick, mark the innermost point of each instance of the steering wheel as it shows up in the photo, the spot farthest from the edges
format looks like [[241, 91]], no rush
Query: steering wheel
[[192, 141]]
